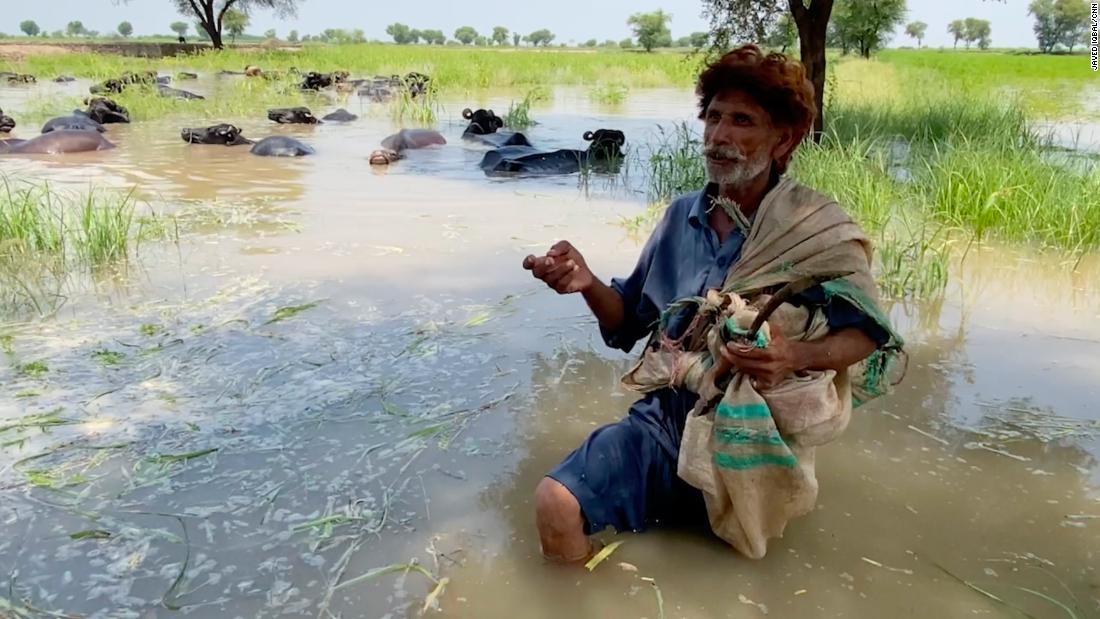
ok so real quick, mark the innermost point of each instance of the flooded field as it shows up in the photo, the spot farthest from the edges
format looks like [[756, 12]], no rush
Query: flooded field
[[335, 392]]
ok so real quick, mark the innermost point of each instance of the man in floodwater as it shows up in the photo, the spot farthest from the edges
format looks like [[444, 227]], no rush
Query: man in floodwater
[[756, 109]]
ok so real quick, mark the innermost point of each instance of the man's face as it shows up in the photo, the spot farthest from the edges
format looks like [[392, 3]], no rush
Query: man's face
[[740, 142]]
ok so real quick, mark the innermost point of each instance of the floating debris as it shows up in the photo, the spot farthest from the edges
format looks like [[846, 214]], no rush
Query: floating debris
[[290, 311], [602, 555], [887, 567], [931, 436], [746, 601], [1001, 452], [660, 598]]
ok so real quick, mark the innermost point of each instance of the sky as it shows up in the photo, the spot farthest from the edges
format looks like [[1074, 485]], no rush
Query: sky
[[569, 20]]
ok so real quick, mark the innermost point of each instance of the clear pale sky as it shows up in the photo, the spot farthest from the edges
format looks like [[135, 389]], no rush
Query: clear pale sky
[[576, 20]]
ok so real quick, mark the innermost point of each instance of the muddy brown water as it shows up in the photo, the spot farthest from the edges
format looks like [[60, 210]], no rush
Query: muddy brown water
[[408, 415]]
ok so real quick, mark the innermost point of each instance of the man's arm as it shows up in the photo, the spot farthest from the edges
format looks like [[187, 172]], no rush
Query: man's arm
[[782, 357], [606, 304], [563, 268]]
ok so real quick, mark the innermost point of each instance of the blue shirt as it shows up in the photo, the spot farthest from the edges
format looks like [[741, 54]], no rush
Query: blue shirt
[[683, 258]]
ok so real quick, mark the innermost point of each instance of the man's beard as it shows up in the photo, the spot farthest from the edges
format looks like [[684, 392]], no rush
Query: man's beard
[[738, 170]]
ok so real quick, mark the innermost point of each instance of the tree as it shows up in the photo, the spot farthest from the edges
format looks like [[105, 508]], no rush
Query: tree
[[465, 35], [515, 39], [481, 41], [401, 33], [433, 37], [699, 39], [866, 24], [916, 30], [957, 29], [125, 28], [681, 42], [201, 32], [29, 27], [626, 43], [234, 22], [975, 29], [1073, 19], [539, 37], [292, 36], [651, 29], [500, 35], [1046, 27], [609, 43], [783, 34], [270, 34], [212, 14], [179, 27], [74, 29], [749, 19]]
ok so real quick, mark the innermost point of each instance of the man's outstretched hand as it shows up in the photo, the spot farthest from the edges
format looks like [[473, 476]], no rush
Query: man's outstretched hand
[[562, 268]]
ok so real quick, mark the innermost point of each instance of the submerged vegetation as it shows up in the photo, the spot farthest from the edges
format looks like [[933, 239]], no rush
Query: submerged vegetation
[[46, 233]]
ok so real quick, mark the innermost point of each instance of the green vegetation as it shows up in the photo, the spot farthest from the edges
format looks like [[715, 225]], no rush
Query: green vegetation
[[865, 25], [519, 114], [651, 29], [923, 172], [34, 369], [45, 234], [460, 68], [29, 28], [1060, 22], [609, 94]]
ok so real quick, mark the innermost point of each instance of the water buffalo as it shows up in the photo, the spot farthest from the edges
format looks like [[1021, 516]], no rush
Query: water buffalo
[[292, 116], [166, 91], [184, 75], [223, 133], [105, 111], [64, 79], [61, 141], [7, 123], [416, 83], [604, 154], [483, 130], [280, 146], [77, 121], [319, 81], [118, 84], [394, 146], [17, 78], [340, 115]]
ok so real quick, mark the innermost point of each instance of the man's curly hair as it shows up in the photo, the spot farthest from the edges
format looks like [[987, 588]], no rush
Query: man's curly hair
[[777, 83]]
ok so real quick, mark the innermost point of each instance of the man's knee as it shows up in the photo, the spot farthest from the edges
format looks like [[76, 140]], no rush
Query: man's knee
[[555, 505]]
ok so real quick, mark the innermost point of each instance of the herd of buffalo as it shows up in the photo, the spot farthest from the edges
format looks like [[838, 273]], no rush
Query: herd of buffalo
[[511, 152]]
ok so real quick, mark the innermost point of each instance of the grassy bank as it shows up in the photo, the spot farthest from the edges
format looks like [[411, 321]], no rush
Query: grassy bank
[[449, 67]]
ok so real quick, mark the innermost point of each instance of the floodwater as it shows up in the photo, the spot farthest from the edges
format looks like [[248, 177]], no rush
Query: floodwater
[[241, 452]]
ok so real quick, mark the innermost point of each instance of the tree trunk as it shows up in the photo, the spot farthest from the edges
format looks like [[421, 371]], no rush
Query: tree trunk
[[813, 24]]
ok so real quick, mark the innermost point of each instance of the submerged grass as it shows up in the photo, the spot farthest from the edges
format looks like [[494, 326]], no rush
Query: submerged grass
[[519, 114], [47, 234], [609, 94]]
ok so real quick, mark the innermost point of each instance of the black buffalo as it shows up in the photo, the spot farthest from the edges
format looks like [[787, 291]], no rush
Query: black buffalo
[[293, 116], [223, 134], [604, 154]]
